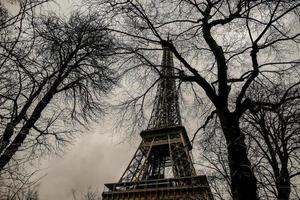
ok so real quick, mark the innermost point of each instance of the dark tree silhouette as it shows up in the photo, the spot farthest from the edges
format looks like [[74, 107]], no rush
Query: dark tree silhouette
[[272, 138], [53, 72], [276, 133]]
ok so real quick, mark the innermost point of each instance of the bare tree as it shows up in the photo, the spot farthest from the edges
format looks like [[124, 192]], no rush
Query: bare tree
[[276, 133], [56, 75], [89, 195], [213, 158], [13, 23], [222, 47], [19, 184], [272, 138], [24, 194]]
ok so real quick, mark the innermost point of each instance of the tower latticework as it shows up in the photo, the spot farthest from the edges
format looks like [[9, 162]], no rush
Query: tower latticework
[[166, 111], [162, 167]]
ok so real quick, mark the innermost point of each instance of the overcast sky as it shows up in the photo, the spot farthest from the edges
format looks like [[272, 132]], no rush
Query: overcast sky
[[98, 157]]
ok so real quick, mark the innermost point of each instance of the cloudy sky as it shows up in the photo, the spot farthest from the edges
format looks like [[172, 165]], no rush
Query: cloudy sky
[[98, 157]]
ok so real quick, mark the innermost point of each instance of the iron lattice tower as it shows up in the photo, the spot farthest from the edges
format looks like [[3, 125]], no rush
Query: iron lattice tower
[[162, 167]]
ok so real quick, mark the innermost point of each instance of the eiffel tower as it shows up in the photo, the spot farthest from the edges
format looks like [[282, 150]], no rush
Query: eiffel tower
[[162, 168]]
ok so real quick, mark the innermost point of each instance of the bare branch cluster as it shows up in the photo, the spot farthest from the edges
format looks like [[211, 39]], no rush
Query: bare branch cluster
[[55, 73]]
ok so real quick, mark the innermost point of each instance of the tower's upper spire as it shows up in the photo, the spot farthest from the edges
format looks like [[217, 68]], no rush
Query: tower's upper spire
[[166, 111]]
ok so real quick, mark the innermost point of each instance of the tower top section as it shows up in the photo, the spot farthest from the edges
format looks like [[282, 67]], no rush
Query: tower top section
[[166, 111]]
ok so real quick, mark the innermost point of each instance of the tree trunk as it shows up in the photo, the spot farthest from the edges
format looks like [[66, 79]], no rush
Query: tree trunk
[[7, 155], [243, 182], [283, 185]]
